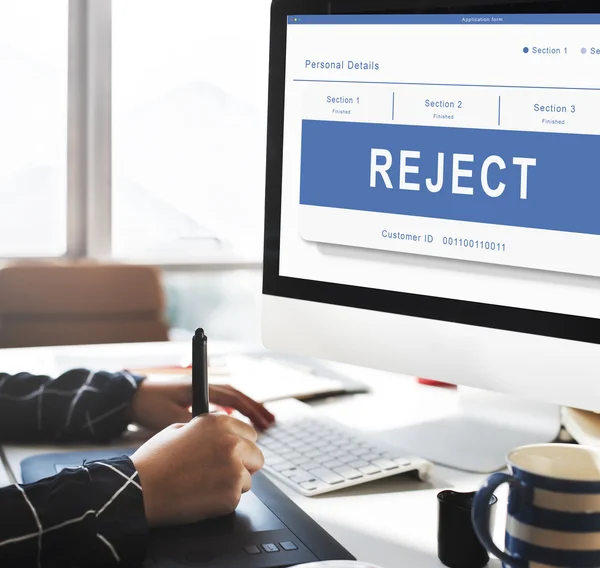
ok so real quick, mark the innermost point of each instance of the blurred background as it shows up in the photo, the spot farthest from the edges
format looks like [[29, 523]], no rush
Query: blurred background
[[133, 134]]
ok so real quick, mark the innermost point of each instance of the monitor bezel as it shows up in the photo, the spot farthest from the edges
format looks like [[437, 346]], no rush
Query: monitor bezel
[[548, 324]]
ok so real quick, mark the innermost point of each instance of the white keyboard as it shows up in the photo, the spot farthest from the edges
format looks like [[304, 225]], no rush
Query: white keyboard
[[315, 455]]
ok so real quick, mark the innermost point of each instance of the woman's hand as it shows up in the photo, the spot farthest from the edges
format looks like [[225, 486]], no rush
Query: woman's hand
[[228, 397], [190, 472], [159, 403]]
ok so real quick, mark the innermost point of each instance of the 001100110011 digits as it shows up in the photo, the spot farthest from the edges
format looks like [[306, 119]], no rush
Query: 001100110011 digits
[[474, 244]]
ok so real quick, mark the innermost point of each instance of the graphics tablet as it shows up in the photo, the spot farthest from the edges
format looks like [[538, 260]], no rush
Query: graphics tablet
[[267, 530]]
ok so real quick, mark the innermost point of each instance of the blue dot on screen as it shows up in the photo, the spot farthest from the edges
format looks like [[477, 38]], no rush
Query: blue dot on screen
[[525, 50]]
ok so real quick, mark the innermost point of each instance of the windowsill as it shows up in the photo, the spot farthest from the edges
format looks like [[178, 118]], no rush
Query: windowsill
[[206, 263]]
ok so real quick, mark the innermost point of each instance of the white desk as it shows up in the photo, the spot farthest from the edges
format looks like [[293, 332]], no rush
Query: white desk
[[392, 522]]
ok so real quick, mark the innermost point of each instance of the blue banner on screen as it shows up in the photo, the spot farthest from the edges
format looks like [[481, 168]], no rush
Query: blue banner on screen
[[520, 179]]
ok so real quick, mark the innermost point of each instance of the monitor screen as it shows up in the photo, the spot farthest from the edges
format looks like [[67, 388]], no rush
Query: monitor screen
[[453, 156]]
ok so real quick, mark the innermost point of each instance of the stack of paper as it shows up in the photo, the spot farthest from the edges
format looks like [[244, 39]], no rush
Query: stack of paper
[[267, 379]]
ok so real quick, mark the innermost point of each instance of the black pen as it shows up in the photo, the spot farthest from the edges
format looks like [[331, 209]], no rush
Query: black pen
[[199, 374]]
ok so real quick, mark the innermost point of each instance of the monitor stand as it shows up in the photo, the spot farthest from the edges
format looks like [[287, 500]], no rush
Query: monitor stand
[[478, 437]]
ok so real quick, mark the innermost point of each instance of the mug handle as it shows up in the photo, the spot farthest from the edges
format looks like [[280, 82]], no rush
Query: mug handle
[[480, 516]]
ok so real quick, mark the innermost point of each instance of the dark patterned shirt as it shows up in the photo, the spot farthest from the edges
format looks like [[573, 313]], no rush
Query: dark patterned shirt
[[90, 516]]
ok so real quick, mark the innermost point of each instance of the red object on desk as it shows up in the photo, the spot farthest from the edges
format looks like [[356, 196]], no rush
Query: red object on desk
[[432, 383]]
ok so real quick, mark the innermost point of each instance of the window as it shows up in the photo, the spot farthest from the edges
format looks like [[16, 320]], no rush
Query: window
[[189, 97], [33, 137], [166, 108]]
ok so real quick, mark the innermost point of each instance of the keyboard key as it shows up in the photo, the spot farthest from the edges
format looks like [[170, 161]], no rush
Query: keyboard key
[[283, 466], [319, 444], [320, 458], [385, 464], [332, 463], [369, 457], [291, 455], [348, 472], [338, 454], [274, 437], [288, 545], [270, 547], [313, 453], [274, 460], [301, 460], [347, 459], [301, 477], [289, 472], [311, 466], [327, 476], [400, 460], [357, 464], [334, 439], [344, 438], [369, 470], [252, 549], [357, 451], [309, 486]]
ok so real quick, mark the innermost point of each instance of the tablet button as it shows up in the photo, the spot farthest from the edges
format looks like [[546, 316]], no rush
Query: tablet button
[[288, 545], [252, 549]]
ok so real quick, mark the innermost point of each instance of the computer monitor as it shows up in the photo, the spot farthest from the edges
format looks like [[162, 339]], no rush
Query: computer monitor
[[433, 203]]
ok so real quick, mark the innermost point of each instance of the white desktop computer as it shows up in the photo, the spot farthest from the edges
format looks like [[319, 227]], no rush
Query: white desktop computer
[[433, 206]]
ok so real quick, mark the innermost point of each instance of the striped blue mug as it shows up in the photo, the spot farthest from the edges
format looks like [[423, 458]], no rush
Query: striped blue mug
[[553, 507]]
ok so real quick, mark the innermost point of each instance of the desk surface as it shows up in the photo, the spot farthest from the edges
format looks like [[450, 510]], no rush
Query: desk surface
[[391, 522]]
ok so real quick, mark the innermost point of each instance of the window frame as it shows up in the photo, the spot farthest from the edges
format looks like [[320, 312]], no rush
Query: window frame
[[89, 149]]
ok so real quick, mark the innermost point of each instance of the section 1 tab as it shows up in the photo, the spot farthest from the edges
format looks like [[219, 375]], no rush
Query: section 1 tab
[[347, 102]]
